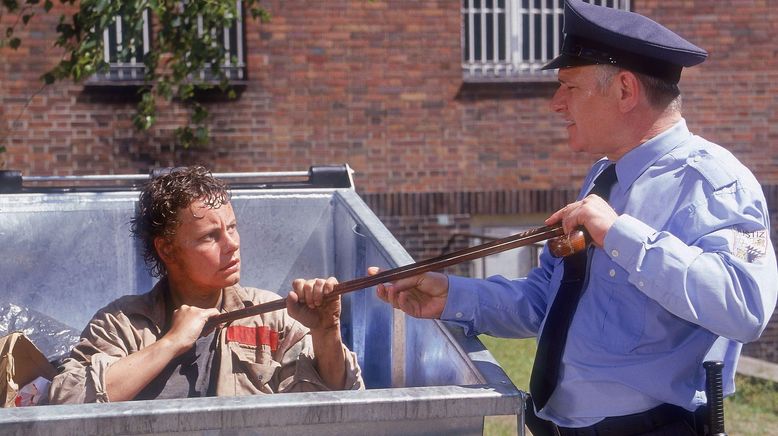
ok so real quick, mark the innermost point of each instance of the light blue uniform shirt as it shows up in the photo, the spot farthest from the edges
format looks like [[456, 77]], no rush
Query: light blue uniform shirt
[[687, 274]]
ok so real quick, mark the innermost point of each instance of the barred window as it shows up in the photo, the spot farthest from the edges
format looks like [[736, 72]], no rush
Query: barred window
[[124, 52], [510, 40], [231, 39]]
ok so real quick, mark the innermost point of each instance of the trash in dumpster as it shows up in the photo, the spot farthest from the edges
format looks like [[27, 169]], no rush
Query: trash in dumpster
[[24, 372], [53, 338]]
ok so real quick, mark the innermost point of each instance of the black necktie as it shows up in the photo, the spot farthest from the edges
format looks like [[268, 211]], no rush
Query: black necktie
[[545, 371]]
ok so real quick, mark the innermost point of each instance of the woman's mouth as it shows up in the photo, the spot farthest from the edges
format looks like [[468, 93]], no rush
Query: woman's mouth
[[233, 265]]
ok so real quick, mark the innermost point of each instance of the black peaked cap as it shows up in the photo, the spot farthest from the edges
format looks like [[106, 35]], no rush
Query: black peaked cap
[[602, 35]]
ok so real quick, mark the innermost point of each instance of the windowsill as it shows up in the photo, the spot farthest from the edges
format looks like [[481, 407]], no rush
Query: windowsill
[[113, 91], [114, 83], [548, 77]]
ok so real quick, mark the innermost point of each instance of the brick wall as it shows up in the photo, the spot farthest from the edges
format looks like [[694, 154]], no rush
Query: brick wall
[[377, 84]]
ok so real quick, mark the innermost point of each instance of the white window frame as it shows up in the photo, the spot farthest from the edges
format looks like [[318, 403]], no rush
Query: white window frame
[[532, 37]]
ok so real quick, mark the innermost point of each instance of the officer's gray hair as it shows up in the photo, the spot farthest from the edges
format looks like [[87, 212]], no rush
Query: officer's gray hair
[[660, 93]]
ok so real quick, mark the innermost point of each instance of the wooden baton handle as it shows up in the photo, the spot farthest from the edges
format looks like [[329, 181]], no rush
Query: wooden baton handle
[[561, 245]]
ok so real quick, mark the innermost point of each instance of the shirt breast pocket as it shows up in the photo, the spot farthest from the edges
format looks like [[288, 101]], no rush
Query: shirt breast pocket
[[254, 363], [616, 309]]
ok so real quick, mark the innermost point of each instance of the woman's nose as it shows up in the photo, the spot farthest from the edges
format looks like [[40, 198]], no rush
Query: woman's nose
[[232, 240]]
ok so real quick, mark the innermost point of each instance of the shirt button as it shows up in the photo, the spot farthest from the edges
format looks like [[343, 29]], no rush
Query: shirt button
[[459, 315], [612, 273], [614, 253], [640, 284]]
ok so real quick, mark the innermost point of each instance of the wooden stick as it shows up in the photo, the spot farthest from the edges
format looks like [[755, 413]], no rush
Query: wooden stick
[[562, 246]]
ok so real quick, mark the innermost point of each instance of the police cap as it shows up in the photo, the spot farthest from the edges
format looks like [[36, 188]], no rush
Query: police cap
[[602, 35]]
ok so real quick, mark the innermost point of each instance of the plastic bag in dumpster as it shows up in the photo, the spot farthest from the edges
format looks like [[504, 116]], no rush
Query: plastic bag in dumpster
[[53, 338], [21, 363]]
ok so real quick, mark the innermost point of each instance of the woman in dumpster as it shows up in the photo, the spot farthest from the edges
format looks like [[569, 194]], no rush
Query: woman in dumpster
[[153, 345]]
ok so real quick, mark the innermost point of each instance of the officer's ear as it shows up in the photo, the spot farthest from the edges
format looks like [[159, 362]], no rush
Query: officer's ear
[[628, 90]]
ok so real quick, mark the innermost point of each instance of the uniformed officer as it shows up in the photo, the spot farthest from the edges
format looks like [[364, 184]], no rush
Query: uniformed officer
[[681, 269]]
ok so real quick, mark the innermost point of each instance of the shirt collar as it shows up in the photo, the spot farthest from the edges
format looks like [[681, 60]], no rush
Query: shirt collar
[[640, 158]]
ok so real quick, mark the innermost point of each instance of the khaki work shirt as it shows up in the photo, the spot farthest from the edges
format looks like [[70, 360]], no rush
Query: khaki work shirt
[[134, 322]]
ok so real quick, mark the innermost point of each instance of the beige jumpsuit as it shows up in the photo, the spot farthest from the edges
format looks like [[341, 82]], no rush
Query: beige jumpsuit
[[134, 322]]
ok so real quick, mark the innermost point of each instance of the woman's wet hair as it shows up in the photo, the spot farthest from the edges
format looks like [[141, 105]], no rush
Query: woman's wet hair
[[161, 200]]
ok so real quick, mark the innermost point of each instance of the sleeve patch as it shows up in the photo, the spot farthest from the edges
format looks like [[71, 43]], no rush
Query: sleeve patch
[[750, 246]]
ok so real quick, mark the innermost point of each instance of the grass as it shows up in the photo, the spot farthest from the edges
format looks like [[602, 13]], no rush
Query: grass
[[752, 411]]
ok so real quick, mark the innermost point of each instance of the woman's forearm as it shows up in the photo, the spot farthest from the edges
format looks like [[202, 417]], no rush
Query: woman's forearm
[[330, 360], [126, 377]]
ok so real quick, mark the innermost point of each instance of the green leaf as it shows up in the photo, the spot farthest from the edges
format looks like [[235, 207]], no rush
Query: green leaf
[[47, 5], [14, 43], [48, 78], [201, 134], [11, 5], [199, 114], [26, 18], [101, 6], [184, 136]]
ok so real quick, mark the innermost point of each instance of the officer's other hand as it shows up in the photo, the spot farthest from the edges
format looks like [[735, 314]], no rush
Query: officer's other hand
[[421, 296]]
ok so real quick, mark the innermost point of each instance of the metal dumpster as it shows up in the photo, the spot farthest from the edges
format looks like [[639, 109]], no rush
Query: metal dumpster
[[67, 251]]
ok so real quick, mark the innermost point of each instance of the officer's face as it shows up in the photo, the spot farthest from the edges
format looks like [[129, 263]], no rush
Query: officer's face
[[204, 253], [589, 109]]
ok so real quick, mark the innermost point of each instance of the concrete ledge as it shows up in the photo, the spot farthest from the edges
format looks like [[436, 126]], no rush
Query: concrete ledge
[[758, 368]]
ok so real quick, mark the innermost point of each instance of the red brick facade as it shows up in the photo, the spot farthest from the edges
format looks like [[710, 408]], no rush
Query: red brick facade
[[378, 85]]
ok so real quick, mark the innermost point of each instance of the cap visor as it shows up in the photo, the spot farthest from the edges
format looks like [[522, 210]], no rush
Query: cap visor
[[561, 61]]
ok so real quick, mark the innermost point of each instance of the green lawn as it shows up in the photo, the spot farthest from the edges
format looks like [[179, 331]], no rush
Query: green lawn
[[752, 411]]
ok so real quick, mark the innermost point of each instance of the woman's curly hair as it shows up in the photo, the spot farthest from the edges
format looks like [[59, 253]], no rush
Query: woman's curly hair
[[161, 200]]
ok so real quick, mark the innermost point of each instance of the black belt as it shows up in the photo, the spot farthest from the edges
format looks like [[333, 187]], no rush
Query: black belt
[[635, 424]]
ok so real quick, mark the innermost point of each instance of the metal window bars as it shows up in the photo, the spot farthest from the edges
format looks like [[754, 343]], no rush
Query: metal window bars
[[232, 40], [124, 66], [510, 40], [127, 66]]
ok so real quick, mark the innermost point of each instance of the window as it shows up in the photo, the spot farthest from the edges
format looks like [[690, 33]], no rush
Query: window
[[234, 66], [124, 68], [510, 40], [129, 68]]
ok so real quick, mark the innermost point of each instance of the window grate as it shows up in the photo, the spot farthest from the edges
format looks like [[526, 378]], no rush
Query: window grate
[[125, 63], [234, 65], [504, 40]]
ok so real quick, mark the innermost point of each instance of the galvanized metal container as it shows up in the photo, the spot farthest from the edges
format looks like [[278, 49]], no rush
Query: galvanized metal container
[[66, 251]]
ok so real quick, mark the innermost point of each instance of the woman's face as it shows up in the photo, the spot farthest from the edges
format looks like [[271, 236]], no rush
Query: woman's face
[[204, 253]]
